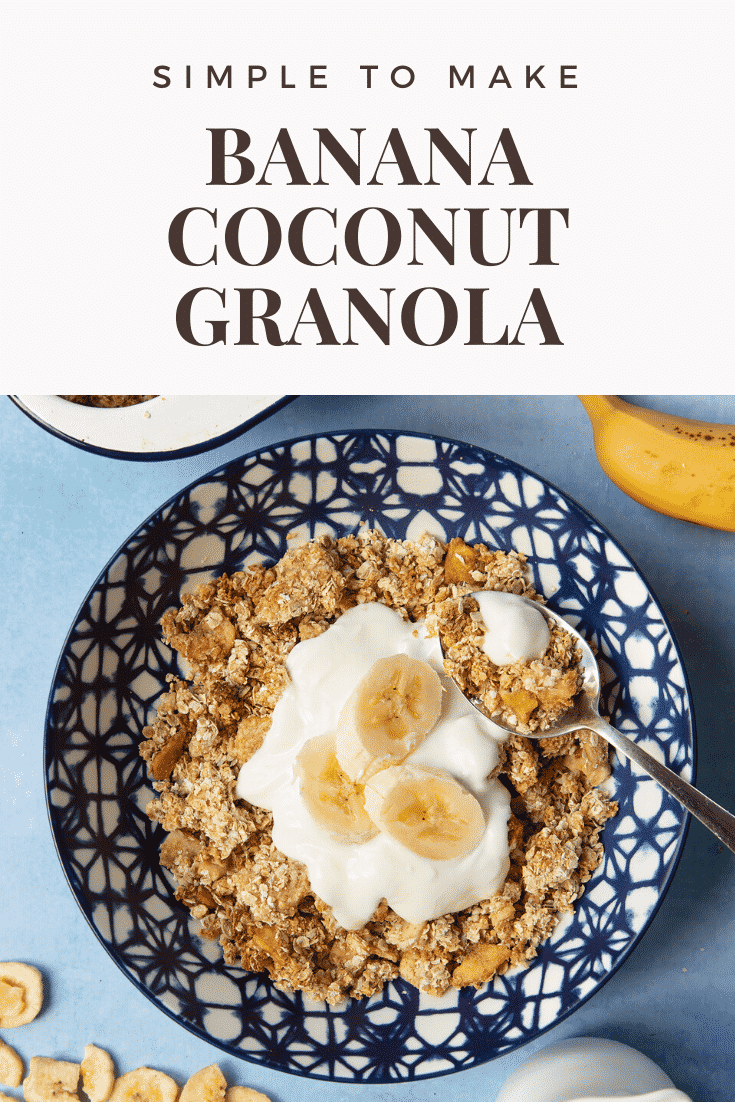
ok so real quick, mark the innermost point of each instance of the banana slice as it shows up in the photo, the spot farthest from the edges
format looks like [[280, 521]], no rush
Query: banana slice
[[331, 798], [387, 715], [426, 810], [98, 1074], [207, 1085], [245, 1094], [11, 1066], [145, 1085], [54, 1080], [21, 994]]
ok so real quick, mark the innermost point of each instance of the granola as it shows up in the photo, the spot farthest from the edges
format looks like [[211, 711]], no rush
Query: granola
[[107, 401], [528, 695], [235, 634]]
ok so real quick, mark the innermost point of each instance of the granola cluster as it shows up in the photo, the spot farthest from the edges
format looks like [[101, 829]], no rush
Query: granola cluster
[[235, 634], [107, 401]]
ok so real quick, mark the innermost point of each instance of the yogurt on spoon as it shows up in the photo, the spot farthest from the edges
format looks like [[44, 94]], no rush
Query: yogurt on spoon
[[514, 631]]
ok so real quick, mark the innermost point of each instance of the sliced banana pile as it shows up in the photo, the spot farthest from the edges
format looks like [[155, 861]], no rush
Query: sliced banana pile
[[58, 1081], [357, 782], [21, 998]]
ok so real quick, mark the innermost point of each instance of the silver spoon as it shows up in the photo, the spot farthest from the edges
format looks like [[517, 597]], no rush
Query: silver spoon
[[584, 713]]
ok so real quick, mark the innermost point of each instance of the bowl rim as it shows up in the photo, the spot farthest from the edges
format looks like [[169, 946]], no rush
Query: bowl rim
[[624, 954], [152, 456]]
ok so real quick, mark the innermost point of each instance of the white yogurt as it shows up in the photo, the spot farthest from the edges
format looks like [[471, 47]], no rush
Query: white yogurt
[[514, 631], [353, 878]]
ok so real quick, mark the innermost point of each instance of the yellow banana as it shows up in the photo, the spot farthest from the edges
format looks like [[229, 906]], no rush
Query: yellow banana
[[331, 798], [387, 715], [674, 465], [426, 810]]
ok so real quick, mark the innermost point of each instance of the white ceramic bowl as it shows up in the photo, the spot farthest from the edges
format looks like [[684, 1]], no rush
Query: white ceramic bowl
[[589, 1069], [165, 427]]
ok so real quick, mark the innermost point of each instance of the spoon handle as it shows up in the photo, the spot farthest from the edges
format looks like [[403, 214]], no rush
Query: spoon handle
[[714, 817]]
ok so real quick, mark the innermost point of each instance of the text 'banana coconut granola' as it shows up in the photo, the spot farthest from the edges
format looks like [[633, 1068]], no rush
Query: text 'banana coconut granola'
[[235, 634]]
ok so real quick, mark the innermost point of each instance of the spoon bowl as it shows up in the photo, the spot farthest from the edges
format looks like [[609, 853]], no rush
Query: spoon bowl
[[584, 714]]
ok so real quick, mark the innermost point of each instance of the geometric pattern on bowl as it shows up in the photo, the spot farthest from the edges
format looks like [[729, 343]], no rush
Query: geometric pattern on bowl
[[113, 667]]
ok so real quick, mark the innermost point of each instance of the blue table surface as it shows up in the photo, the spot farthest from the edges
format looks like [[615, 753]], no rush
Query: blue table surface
[[65, 512]]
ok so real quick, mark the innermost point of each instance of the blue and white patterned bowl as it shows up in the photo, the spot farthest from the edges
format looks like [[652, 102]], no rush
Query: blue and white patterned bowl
[[113, 668]]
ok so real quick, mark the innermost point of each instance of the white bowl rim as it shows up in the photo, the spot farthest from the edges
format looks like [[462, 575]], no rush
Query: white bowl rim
[[167, 426]]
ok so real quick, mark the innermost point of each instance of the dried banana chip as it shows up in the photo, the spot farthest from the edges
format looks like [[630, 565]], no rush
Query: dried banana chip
[[51, 1081], [207, 1085], [11, 1066], [244, 1094], [98, 1074], [145, 1085], [21, 993]]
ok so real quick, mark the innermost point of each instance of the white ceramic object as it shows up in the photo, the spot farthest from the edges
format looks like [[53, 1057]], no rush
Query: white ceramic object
[[164, 427], [589, 1069]]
